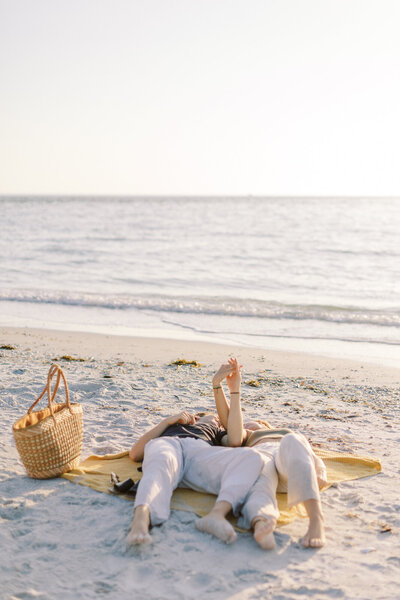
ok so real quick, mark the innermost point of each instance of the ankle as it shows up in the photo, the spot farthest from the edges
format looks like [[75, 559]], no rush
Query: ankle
[[142, 513], [216, 514], [220, 509], [314, 509], [318, 517], [261, 521]]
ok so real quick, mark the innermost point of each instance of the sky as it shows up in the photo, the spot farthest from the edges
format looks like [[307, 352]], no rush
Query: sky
[[200, 97]]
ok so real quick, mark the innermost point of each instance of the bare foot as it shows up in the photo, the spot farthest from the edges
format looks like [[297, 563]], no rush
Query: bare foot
[[264, 533], [315, 536], [217, 526], [139, 533]]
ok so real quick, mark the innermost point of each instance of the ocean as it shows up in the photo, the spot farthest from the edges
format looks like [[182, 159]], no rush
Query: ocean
[[319, 275]]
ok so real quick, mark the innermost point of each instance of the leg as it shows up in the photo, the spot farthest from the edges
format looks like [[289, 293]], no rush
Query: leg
[[320, 469], [162, 471], [228, 472], [139, 531], [295, 464], [260, 510], [315, 536]]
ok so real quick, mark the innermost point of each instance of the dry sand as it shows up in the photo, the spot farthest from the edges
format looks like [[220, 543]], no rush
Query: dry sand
[[60, 540]]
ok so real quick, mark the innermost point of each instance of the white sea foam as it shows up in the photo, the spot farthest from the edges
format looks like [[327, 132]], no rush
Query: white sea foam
[[244, 307]]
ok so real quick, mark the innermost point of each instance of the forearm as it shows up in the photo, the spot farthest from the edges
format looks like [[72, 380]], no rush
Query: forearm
[[136, 453], [221, 403], [235, 429]]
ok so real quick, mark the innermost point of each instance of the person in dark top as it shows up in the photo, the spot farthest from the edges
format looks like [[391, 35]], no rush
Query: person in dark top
[[186, 450], [208, 432]]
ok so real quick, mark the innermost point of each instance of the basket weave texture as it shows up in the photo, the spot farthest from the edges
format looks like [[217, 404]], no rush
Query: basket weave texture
[[49, 441]]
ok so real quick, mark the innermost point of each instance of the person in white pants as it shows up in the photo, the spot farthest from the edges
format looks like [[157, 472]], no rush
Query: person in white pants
[[169, 461], [290, 465]]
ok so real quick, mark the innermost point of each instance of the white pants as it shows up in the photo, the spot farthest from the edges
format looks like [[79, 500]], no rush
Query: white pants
[[289, 466], [168, 462]]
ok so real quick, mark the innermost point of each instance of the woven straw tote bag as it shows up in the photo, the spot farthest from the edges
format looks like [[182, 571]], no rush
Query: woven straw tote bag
[[49, 441]]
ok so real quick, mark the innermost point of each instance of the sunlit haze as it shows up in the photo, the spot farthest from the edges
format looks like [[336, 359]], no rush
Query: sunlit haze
[[203, 97]]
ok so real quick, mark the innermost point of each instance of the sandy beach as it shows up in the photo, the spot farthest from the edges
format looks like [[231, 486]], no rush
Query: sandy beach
[[61, 540]]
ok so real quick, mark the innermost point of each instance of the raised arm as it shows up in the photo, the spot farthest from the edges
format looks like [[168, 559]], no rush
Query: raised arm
[[236, 432], [230, 414], [221, 403], [136, 453]]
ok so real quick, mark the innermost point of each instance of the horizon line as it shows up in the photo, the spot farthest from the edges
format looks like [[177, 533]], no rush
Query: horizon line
[[200, 196]]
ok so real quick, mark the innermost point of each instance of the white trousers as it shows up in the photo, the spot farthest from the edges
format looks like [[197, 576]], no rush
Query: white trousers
[[289, 466], [168, 462]]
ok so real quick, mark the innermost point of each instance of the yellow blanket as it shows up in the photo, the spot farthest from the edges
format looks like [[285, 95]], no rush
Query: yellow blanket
[[95, 472]]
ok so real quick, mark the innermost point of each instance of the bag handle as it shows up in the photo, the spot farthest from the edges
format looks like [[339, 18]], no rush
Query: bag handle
[[50, 398]]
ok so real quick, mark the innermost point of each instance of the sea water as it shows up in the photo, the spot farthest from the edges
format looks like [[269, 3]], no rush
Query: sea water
[[311, 274]]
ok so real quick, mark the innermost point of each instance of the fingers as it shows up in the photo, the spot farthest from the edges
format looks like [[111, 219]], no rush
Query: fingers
[[223, 371], [234, 364], [227, 370], [187, 418], [183, 417]]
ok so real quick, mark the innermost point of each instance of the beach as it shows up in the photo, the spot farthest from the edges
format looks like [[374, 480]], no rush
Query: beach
[[185, 183], [64, 540]]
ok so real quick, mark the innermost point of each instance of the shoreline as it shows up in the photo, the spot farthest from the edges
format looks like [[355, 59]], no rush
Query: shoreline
[[157, 350], [369, 346]]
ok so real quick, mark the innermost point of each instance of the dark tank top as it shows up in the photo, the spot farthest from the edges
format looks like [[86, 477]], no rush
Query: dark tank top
[[212, 434]]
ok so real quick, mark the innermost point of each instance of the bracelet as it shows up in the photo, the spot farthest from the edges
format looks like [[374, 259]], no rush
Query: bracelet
[[218, 387], [234, 393]]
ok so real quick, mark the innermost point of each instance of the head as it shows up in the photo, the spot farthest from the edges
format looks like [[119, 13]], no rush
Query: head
[[254, 424]]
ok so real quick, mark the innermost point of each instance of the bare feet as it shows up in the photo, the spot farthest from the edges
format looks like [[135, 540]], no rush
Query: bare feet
[[264, 533], [139, 533], [217, 526], [315, 536]]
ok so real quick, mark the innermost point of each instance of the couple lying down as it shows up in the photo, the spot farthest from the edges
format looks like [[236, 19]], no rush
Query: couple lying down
[[243, 464]]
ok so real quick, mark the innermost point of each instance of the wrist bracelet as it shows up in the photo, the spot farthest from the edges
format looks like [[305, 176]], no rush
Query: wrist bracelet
[[218, 387]]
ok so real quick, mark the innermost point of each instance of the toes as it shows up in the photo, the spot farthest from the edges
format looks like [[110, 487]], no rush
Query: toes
[[228, 540], [231, 538], [145, 539], [138, 539], [312, 542], [305, 542]]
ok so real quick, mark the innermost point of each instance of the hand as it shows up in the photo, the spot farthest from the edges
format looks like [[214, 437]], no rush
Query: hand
[[234, 377], [222, 373], [183, 417]]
